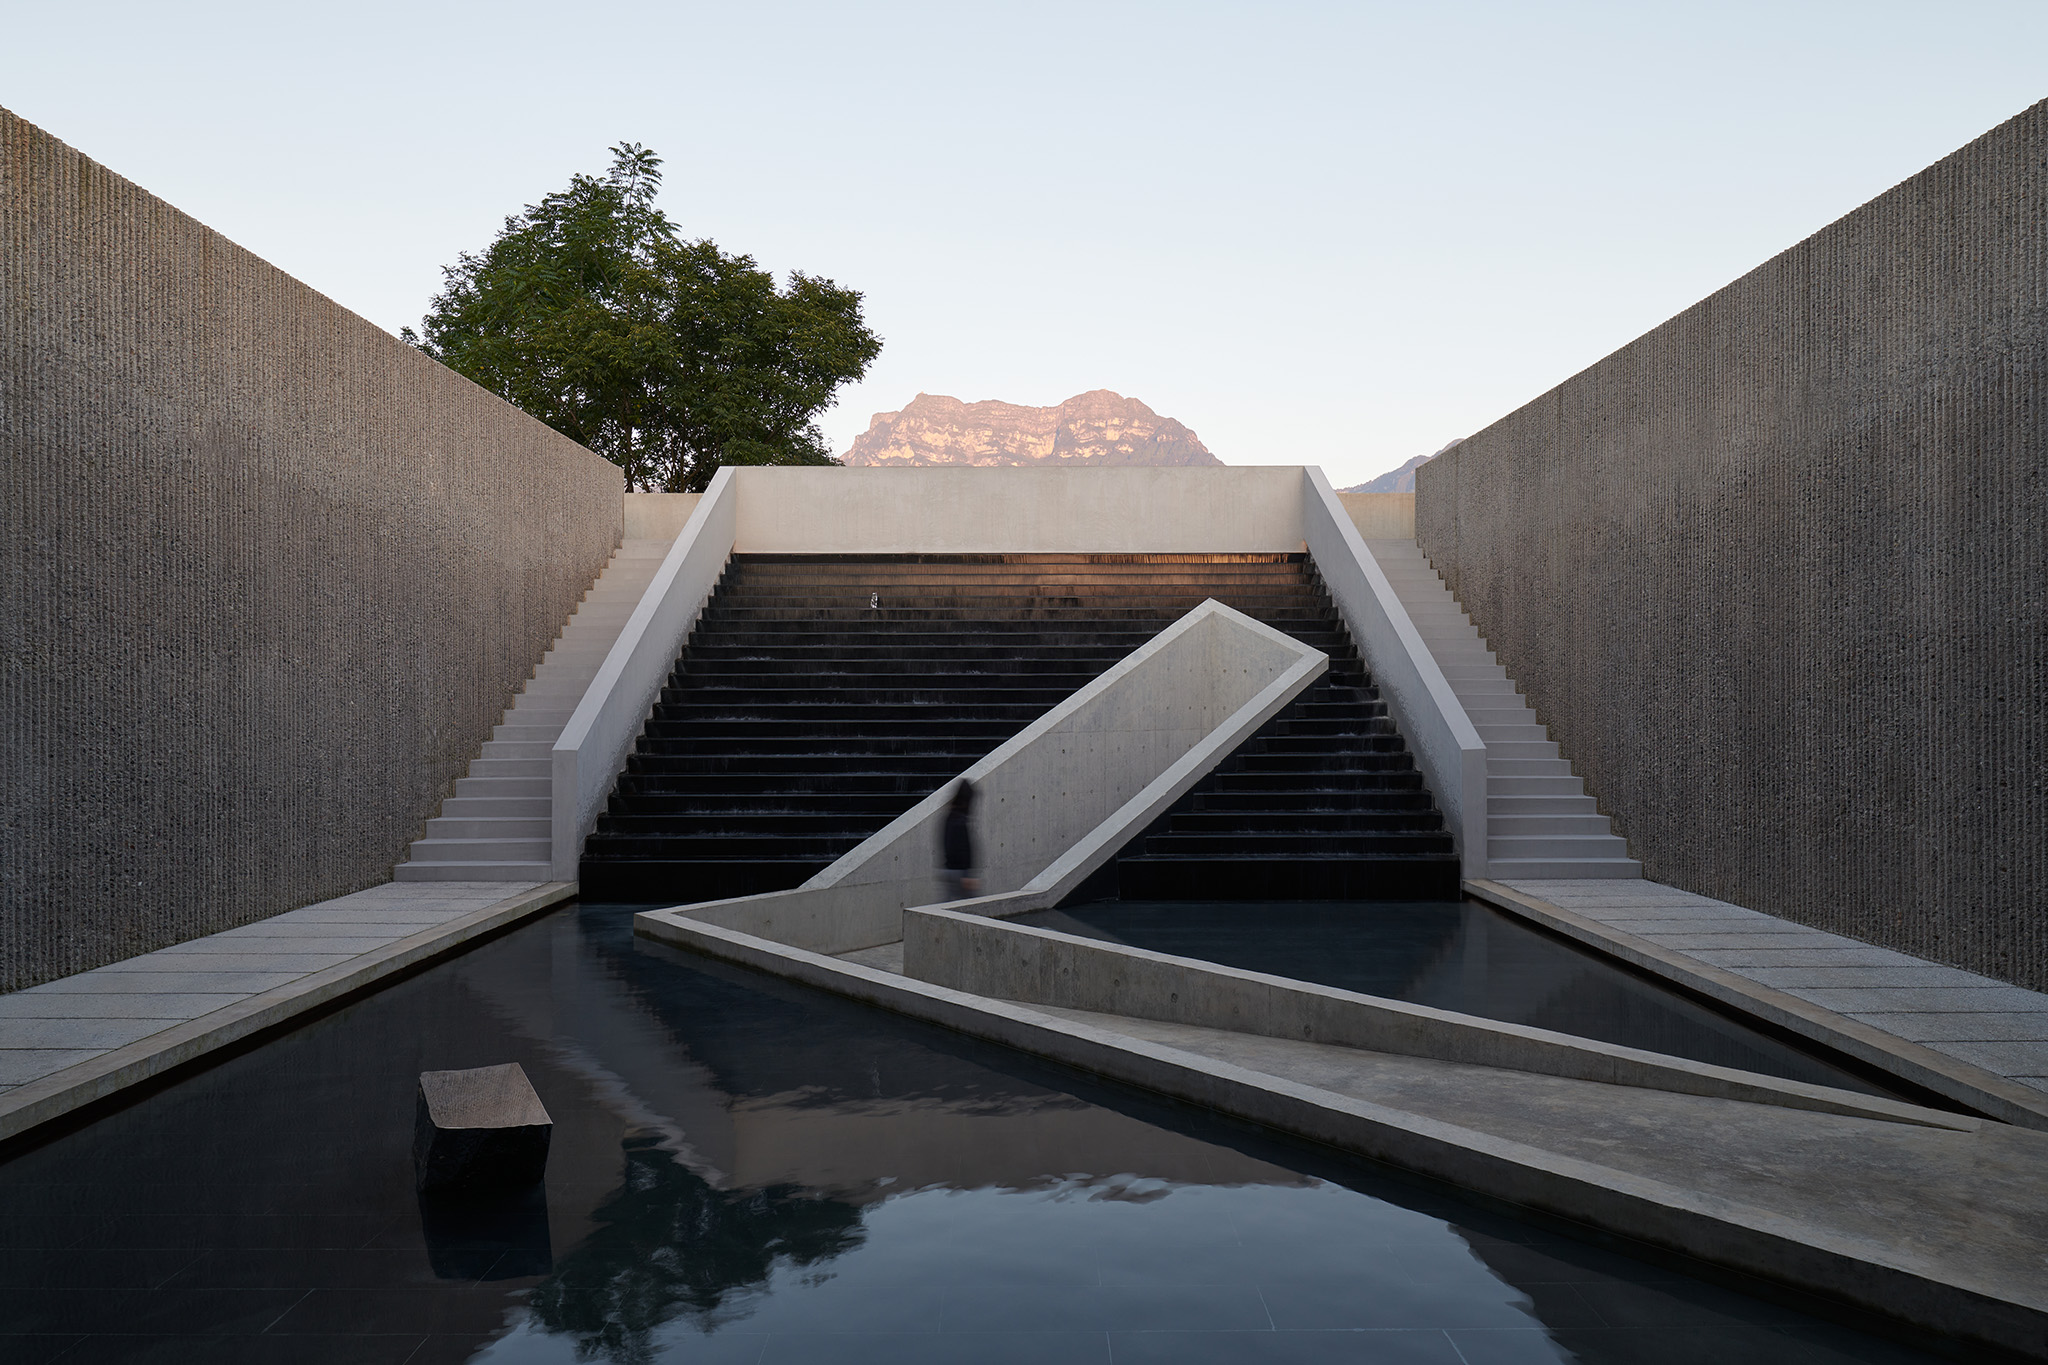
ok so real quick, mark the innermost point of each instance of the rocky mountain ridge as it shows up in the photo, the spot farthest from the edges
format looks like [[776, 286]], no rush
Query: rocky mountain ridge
[[1400, 480], [1098, 428]]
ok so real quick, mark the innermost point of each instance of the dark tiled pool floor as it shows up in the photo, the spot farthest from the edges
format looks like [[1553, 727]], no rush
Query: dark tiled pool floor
[[1466, 957], [746, 1171]]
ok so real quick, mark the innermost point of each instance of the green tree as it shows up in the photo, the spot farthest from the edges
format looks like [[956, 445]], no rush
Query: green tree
[[668, 357]]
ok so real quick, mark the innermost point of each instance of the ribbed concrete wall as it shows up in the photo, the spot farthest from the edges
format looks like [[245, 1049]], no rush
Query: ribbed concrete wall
[[269, 575], [1776, 574]]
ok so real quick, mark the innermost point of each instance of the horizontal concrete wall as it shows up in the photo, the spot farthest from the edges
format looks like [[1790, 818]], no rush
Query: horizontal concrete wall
[[270, 575], [1774, 574], [1019, 511]]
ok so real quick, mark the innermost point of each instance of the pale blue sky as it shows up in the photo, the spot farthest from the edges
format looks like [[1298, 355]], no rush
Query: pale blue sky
[[1331, 234]]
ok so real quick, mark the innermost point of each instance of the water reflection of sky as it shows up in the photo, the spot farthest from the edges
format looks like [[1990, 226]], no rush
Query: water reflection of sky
[[744, 1170]]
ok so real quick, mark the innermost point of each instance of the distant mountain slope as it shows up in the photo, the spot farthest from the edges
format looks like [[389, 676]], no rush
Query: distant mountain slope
[[1400, 480], [1097, 428]]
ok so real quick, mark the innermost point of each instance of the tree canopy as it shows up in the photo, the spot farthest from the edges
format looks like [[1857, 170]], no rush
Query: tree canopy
[[668, 357]]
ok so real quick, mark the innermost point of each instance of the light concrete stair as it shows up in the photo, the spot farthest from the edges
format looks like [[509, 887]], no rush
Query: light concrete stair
[[1539, 820], [495, 828]]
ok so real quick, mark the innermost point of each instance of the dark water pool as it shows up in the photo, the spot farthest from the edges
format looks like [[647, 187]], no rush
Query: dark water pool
[[746, 1171], [1469, 957]]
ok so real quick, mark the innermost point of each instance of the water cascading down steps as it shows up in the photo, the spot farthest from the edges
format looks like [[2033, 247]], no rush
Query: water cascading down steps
[[1540, 821], [821, 696], [496, 827]]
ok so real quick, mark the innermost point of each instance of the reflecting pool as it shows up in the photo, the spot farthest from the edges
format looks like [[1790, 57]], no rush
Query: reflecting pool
[[743, 1170], [1466, 957]]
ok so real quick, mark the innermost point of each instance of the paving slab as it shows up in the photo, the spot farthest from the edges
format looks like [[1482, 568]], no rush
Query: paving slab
[[1883, 1007], [1916, 976], [1796, 957], [2025, 1059], [91, 1035], [83, 1038], [186, 960], [102, 981], [40, 1004], [20, 1065], [1917, 1000], [2018, 1026]]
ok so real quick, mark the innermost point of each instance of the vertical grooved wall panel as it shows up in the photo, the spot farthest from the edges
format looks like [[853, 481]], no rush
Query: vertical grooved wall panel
[[1776, 574], [270, 575]]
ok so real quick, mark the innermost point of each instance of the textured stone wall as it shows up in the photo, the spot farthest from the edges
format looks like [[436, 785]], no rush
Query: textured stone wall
[[1776, 574], [269, 575]]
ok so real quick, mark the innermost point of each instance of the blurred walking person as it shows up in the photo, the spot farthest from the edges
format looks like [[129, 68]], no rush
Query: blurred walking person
[[957, 846]]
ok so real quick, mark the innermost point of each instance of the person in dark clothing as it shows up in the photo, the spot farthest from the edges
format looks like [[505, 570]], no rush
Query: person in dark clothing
[[957, 846]]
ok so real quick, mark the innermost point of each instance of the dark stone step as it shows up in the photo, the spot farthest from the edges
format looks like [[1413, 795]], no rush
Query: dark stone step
[[724, 802], [1308, 801], [664, 765], [793, 781], [842, 723], [733, 822], [1349, 879], [653, 881], [676, 845], [1210, 823], [1261, 844]]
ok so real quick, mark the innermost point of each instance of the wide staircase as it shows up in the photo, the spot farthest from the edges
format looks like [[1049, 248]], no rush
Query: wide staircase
[[821, 696], [495, 827], [1540, 821]]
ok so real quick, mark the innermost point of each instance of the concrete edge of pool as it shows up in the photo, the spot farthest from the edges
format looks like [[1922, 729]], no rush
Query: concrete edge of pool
[[1981, 1090], [2007, 1311], [49, 1098]]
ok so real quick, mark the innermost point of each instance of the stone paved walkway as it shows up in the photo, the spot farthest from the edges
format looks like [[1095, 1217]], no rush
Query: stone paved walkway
[[1974, 1019], [97, 1027]]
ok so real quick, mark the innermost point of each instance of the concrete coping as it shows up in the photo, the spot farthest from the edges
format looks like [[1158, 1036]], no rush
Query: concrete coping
[[588, 755], [1446, 744], [975, 953]]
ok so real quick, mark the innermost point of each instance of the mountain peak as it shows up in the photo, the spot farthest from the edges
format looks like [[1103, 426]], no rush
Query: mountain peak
[[1097, 428]]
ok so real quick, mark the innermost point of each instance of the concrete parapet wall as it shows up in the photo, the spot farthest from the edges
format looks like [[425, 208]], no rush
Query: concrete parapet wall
[[1247, 510], [1773, 575], [270, 575]]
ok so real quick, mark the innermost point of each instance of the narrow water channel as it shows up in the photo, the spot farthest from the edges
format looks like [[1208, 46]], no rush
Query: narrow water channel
[[1466, 957], [746, 1171]]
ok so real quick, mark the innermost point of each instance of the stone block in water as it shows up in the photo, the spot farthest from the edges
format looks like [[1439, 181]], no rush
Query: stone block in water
[[479, 1129]]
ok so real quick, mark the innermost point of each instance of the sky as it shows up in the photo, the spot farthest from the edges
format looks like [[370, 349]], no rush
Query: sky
[[1334, 234]]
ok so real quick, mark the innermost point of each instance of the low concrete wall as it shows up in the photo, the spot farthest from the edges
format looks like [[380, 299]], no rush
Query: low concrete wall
[[1430, 717], [1033, 966], [662, 516], [1059, 799], [1772, 574], [271, 575], [1378, 516], [1019, 511], [591, 751]]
